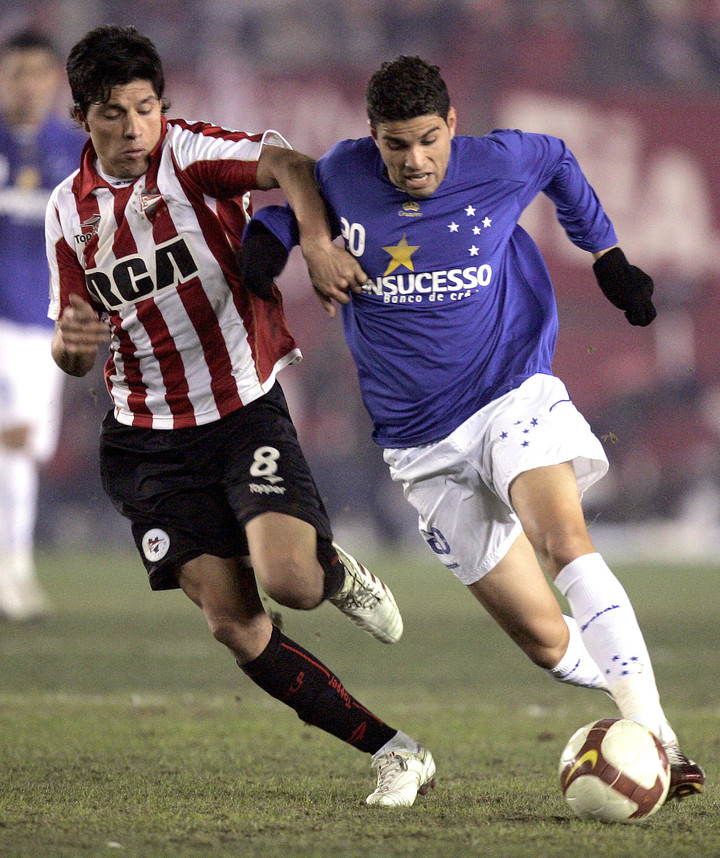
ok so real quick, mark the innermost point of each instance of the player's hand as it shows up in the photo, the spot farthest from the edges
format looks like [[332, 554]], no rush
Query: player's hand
[[334, 273], [626, 286], [81, 329], [262, 258], [79, 333]]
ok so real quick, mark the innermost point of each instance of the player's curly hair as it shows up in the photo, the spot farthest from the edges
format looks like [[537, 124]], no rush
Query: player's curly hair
[[111, 56], [404, 88]]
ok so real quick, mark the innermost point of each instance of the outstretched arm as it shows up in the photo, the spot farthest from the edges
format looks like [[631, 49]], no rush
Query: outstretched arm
[[587, 225]]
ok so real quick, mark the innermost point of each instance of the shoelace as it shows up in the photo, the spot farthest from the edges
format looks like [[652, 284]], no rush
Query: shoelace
[[366, 600], [359, 595], [388, 770], [675, 756]]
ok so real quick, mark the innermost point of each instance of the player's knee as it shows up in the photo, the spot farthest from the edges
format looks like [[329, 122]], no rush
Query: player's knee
[[244, 639], [226, 631], [558, 548]]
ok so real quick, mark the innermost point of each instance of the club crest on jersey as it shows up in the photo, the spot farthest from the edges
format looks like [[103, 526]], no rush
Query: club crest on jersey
[[88, 228], [155, 544], [149, 198], [410, 208]]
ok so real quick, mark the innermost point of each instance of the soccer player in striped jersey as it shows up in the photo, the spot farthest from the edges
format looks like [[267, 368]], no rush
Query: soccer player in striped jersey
[[37, 150], [199, 450], [452, 325]]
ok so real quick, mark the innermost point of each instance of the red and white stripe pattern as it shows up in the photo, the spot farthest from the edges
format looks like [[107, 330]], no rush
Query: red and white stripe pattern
[[158, 257]]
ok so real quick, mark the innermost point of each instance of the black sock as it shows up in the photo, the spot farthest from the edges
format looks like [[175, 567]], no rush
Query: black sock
[[332, 567], [294, 676]]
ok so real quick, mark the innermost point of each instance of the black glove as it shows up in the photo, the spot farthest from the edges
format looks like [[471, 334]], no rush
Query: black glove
[[626, 286], [262, 257]]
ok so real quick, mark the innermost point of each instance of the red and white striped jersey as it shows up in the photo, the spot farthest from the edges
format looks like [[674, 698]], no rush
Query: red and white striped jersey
[[157, 256]]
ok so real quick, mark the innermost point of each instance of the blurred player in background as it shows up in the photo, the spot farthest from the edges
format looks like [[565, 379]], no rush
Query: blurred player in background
[[199, 450], [37, 150], [452, 325]]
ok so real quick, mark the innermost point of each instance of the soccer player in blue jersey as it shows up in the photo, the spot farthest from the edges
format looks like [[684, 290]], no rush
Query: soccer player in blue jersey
[[452, 324], [37, 150]]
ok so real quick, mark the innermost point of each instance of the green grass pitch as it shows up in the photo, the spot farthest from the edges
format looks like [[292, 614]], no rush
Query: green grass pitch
[[126, 730]]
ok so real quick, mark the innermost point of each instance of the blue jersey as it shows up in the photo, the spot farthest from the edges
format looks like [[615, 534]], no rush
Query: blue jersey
[[31, 165], [460, 308]]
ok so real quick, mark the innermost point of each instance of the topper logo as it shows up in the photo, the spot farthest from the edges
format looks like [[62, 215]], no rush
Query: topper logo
[[88, 228]]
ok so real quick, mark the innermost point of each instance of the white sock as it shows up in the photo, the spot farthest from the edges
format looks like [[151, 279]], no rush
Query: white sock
[[399, 742], [18, 502], [612, 636], [576, 667]]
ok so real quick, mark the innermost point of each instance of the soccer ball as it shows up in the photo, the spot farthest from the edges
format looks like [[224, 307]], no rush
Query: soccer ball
[[614, 770]]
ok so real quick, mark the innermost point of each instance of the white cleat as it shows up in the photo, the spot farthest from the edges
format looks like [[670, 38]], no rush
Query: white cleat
[[402, 775], [366, 601]]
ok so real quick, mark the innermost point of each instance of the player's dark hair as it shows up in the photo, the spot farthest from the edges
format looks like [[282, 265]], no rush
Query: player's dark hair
[[112, 56], [29, 40], [404, 88]]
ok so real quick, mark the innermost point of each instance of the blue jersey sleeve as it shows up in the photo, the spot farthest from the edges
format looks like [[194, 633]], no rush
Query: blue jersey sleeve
[[281, 222], [541, 163]]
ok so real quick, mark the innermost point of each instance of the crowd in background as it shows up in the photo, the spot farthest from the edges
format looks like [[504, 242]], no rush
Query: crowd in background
[[246, 63], [656, 43]]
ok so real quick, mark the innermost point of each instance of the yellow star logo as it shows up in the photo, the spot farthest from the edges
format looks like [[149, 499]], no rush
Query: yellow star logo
[[401, 255]]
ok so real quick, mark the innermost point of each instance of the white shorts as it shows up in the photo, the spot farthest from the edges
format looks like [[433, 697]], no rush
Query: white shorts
[[30, 386], [460, 486]]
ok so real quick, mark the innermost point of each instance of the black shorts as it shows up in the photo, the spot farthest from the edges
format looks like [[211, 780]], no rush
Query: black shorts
[[191, 491]]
